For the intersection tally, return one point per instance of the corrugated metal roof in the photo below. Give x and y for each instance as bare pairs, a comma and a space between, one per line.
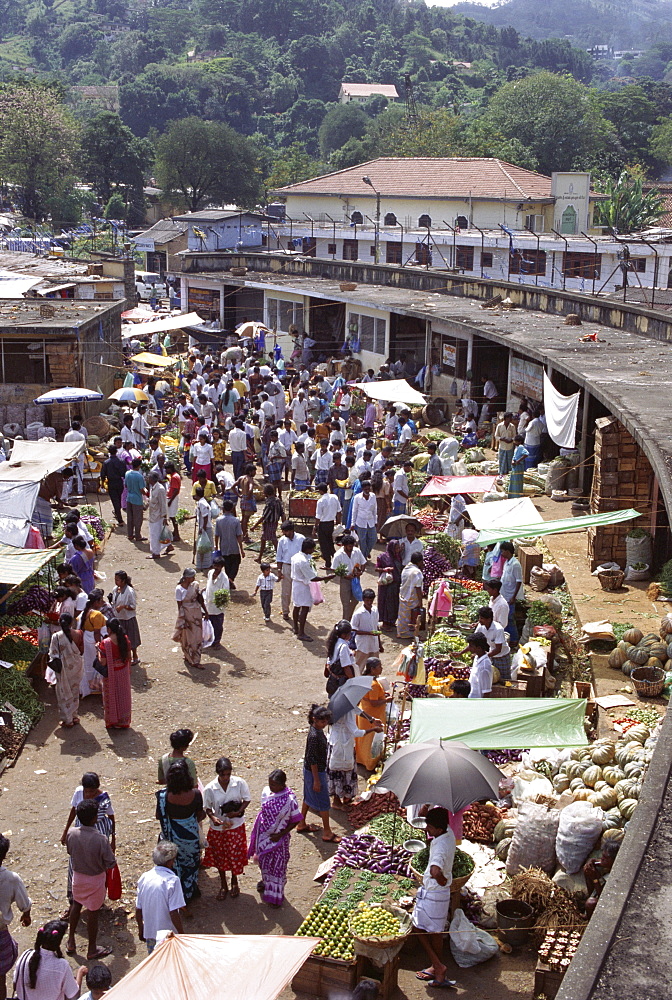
431, 177
216, 215
164, 230
369, 89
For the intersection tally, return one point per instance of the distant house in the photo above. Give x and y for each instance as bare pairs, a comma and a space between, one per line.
361, 92
161, 243
223, 229
106, 96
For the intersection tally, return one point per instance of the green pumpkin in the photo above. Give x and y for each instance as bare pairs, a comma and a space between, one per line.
633, 636
627, 808
628, 667
592, 775
613, 774
639, 656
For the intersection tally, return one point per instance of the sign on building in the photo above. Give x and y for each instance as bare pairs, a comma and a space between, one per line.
571, 191
527, 379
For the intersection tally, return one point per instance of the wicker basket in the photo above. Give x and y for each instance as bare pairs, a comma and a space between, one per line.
648, 681
347, 286
611, 579
387, 942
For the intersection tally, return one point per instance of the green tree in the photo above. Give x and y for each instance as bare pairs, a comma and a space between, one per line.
628, 207
116, 207
112, 156
661, 141
341, 122
290, 166
436, 134
553, 117
199, 162
38, 140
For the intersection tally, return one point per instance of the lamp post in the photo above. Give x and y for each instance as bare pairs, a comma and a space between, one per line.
367, 180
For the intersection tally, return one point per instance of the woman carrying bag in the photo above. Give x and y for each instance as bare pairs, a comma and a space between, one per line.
114, 654
65, 669
340, 665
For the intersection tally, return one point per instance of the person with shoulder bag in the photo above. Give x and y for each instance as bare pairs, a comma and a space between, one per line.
67, 669
340, 665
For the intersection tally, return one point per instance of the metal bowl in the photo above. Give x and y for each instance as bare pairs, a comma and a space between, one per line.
420, 823
414, 846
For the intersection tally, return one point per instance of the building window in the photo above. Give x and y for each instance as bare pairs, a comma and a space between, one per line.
390, 219
393, 253
462, 222
486, 258
282, 313
356, 218
331, 248
581, 265
464, 258
423, 255
528, 262
309, 246
638, 264
372, 251
371, 331
425, 222
350, 249
25, 361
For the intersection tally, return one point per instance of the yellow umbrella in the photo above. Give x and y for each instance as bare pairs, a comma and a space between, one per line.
129, 395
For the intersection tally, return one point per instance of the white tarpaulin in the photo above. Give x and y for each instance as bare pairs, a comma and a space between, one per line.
394, 391
503, 513
161, 325
31, 461
17, 502
561, 414
207, 966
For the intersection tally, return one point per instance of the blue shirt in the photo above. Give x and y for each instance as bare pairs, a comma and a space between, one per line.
135, 484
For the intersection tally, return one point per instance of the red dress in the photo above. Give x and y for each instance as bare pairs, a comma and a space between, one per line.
116, 686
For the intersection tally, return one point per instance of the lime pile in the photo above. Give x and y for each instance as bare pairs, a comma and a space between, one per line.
374, 921
332, 926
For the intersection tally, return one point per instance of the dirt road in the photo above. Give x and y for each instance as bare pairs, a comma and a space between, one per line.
249, 704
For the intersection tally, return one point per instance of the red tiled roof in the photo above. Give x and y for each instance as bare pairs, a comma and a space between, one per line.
430, 177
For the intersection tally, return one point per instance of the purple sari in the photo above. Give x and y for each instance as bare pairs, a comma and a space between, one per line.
278, 810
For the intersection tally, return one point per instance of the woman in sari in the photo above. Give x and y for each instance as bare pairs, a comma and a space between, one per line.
124, 603
372, 706
517, 473
114, 652
190, 614
92, 625
67, 645
389, 565
269, 841
179, 809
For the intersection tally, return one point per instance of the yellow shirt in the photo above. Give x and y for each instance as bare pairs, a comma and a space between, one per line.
209, 490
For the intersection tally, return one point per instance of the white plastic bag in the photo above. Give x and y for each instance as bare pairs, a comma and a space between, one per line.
469, 945
579, 828
527, 788
208, 633
533, 844
638, 574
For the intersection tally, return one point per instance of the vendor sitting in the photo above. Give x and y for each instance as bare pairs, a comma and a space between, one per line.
480, 675
499, 651
432, 902
596, 872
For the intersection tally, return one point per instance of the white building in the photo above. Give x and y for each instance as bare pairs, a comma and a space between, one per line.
361, 92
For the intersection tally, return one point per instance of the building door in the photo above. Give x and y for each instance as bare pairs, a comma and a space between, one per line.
309, 246
393, 253
568, 221
327, 325
350, 249
156, 261
423, 254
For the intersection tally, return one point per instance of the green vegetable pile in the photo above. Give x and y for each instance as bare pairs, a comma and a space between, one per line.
463, 863
16, 689
392, 830
620, 630
649, 716
182, 515
13, 648
448, 547
221, 597
539, 613
441, 644
351, 886
665, 579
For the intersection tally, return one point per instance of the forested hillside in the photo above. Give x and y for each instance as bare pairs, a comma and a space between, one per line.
218, 100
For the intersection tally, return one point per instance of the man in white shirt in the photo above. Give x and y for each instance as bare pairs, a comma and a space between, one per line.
238, 446
533, 433
512, 586
160, 897
353, 559
405, 432
384, 455
364, 517
363, 464
323, 462
400, 486
75, 434
288, 545
157, 516
497, 604
505, 433
202, 456
433, 898
299, 408
410, 544
480, 675
490, 389
366, 624
498, 647
327, 515
140, 428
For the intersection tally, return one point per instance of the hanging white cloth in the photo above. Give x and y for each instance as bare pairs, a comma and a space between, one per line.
561, 412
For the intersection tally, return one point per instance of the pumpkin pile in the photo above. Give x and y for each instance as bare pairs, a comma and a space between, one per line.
638, 650
608, 774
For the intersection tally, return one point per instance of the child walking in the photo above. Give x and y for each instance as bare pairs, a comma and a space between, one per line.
266, 581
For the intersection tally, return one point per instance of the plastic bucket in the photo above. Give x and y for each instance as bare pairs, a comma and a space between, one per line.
514, 919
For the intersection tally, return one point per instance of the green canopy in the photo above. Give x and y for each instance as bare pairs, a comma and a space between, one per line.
488, 536
16, 565
500, 723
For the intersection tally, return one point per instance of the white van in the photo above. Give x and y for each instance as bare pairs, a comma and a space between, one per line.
150, 285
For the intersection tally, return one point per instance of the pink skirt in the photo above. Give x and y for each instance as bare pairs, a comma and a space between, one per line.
89, 890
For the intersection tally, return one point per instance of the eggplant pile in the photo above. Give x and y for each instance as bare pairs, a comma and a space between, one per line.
368, 852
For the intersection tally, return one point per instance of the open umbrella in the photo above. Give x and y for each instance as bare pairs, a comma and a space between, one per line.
442, 773
68, 394
251, 329
349, 696
395, 527
129, 395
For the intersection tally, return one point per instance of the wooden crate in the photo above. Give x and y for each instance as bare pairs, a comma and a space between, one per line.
547, 981
323, 977
529, 557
